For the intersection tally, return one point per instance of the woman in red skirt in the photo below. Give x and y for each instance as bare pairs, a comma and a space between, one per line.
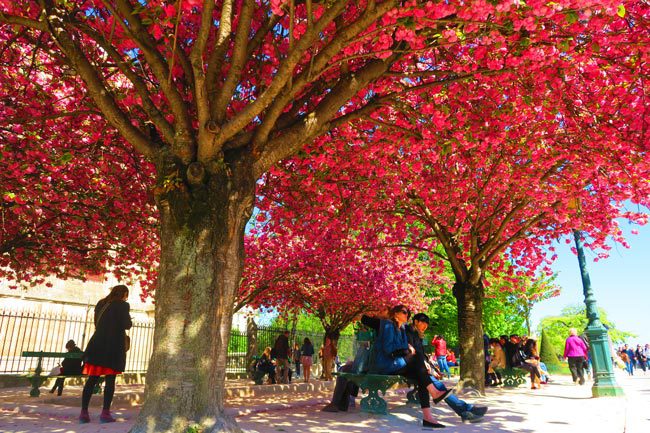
105, 354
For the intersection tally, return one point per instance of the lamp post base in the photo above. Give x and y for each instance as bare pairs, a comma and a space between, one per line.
605, 384
607, 391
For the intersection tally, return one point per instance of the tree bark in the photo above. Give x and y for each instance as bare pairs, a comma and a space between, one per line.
251, 339
469, 299
203, 214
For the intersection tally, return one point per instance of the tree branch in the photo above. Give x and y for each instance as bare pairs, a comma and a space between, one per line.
96, 88
283, 75
318, 120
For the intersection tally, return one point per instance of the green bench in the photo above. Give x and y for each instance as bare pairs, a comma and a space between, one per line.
512, 377
37, 379
373, 384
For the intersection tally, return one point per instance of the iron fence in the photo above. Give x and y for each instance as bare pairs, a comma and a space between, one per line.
41, 331
48, 332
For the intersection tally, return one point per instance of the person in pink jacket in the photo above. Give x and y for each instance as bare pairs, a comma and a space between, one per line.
575, 351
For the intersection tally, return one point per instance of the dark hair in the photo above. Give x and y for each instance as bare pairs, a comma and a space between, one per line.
505, 337
117, 293
495, 341
398, 308
421, 317
530, 343
306, 341
70, 344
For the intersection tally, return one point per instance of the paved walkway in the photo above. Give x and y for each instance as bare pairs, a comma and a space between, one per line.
558, 408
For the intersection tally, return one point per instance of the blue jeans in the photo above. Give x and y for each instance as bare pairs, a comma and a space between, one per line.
457, 405
629, 366
442, 364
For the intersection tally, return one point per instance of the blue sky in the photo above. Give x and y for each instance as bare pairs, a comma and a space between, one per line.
621, 284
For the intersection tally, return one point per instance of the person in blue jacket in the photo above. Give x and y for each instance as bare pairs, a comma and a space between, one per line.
394, 355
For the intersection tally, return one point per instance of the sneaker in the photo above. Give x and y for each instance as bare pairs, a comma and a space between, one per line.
479, 410
471, 417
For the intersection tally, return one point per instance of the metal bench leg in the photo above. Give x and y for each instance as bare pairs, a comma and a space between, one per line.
37, 380
412, 395
374, 403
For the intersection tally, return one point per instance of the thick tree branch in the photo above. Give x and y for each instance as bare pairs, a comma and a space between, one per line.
318, 120
318, 65
22, 21
283, 75
96, 87
183, 146
218, 55
156, 116
237, 62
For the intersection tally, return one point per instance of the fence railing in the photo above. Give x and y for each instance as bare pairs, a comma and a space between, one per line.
49, 332
41, 331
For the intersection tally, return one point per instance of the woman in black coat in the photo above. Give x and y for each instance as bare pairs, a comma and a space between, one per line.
105, 354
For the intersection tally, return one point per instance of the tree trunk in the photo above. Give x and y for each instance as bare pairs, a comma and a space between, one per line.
469, 299
251, 339
202, 220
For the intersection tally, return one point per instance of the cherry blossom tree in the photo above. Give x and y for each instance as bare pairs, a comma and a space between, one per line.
492, 184
231, 87
75, 200
292, 268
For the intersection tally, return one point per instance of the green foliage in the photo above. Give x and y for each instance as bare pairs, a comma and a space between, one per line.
500, 316
559, 368
556, 328
547, 352
306, 323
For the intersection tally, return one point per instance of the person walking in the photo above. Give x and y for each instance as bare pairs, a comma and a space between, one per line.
307, 358
641, 359
575, 352
105, 354
440, 350
69, 367
629, 364
282, 349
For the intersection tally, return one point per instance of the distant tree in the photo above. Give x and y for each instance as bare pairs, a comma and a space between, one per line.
557, 327
547, 352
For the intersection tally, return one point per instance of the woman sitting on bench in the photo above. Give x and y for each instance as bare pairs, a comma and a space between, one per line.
266, 366
69, 367
394, 356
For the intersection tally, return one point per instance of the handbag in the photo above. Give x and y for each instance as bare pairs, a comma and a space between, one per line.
127, 339
56, 371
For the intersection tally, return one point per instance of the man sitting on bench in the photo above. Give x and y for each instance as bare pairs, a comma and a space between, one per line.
69, 367
466, 411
